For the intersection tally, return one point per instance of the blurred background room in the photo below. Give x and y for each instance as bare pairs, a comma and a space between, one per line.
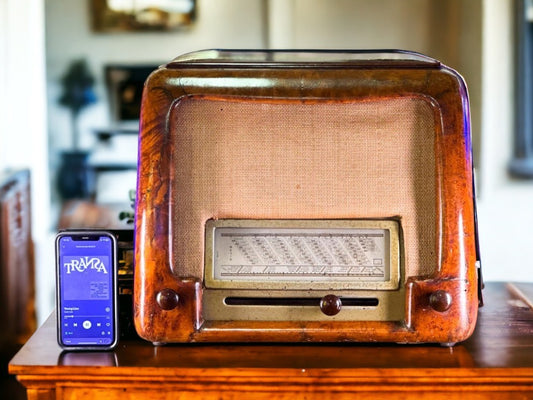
71, 73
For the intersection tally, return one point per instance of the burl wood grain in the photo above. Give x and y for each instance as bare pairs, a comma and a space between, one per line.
455, 247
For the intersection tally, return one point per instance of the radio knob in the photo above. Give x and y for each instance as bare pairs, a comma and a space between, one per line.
440, 300
167, 299
330, 305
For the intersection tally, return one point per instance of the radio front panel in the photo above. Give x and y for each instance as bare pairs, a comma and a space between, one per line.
278, 270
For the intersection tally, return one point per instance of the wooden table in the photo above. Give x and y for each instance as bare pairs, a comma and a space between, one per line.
495, 363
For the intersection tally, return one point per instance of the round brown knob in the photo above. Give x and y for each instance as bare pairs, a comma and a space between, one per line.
167, 299
440, 300
330, 305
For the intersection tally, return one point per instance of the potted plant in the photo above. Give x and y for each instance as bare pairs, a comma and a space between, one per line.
75, 177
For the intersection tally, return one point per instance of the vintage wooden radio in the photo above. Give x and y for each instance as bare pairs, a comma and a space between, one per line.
290, 196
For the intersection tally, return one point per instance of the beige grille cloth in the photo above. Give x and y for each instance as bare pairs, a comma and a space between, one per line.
282, 160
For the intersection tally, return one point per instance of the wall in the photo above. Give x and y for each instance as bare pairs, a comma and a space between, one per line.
505, 205
23, 136
23, 140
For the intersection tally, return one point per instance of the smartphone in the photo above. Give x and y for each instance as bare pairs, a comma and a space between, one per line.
86, 276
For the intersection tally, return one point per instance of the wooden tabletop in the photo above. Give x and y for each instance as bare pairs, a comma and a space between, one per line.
497, 359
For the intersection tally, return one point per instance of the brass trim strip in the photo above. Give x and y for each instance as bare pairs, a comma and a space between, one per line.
390, 307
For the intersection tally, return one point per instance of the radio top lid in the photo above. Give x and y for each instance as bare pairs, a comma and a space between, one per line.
304, 58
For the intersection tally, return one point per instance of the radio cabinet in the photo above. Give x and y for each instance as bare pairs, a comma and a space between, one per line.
316, 196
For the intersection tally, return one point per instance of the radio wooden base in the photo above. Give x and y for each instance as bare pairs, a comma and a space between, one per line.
495, 363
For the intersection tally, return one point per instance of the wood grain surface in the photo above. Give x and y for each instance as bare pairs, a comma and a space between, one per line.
495, 363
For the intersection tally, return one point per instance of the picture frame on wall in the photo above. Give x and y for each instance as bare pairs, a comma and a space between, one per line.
142, 15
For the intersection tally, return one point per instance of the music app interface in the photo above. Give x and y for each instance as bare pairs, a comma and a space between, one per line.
86, 285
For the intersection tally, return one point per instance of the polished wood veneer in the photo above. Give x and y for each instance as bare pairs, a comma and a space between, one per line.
312, 135
495, 363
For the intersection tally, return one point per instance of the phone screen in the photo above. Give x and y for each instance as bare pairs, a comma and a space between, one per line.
86, 290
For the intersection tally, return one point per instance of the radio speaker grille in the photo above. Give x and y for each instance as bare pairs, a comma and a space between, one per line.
284, 159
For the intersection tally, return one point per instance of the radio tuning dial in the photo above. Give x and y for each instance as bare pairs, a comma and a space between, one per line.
330, 305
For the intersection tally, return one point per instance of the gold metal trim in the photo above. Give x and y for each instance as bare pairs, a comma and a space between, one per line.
391, 306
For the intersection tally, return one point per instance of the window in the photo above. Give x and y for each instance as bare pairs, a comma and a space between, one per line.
522, 163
